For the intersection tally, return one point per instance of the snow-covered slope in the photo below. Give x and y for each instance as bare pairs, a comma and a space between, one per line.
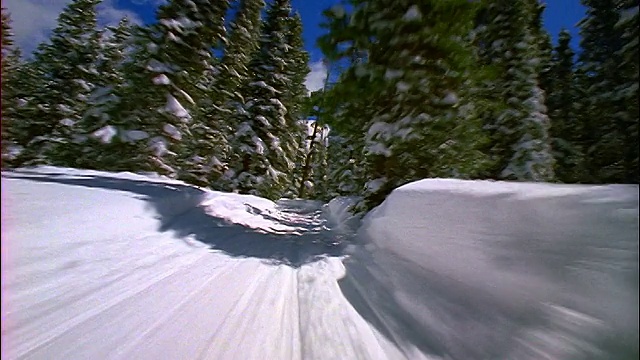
497, 270
100, 265
123, 266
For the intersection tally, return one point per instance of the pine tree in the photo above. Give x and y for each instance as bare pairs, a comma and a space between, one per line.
265, 152
10, 67
312, 181
610, 125
172, 57
296, 69
343, 103
224, 85
418, 121
627, 90
106, 145
520, 143
243, 42
561, 100
67, 63
543, 42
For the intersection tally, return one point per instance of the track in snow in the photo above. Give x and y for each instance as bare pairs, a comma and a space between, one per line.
102, 267
121, 266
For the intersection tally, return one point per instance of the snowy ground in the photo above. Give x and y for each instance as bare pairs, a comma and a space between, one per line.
121, 266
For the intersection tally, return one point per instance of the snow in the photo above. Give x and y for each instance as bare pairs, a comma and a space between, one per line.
450, 99
172, 131
158, 146
161, 79
379, 127
152, 48
67, 122
180, 24
376, 184
83, 84
520, 190
12, 152
187, 97
99, 265
156, 66
402, 86
469, 262
174, 107
392, 74
262, 84
263, 120
216, 162
65, 109
135, 135
412, 14
378, 148
627, 15
260, 146
277, 103
105, 134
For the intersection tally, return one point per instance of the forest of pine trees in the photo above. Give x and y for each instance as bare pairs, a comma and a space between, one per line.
213, 93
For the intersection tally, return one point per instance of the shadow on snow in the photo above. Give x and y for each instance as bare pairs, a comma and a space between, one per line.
178, 210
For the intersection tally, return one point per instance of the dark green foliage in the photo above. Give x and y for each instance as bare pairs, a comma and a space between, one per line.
509, 40
409, 88
266, 138
10, 100
56, 86
609, 108
409, 94
563, 111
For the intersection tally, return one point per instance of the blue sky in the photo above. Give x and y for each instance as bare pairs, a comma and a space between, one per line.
34, 19
559, 14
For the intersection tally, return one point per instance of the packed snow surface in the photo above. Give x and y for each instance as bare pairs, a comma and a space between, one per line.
100, 265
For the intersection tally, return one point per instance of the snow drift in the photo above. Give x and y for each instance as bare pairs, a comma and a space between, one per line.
498, 270
122, 266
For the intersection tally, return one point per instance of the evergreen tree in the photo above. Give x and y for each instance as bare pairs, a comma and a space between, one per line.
343, 103
542, 40
561, 100
312, 181
413, 84
265, 147
627, 90
296, 69
225, 85
10, 64
518, 124
608, 107
67, 65
172, 56
243, 43
106, 145
9, 61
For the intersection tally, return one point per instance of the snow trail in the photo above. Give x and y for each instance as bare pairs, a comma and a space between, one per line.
122, 266
102, 265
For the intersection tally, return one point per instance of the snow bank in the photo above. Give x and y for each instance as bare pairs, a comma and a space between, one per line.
251, 211
449, 270
338, 213
509, 270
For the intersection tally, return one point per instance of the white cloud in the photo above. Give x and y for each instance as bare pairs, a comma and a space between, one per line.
315, 79
109, 14
33, 20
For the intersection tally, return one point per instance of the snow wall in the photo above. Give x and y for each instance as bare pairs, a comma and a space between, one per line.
498, 270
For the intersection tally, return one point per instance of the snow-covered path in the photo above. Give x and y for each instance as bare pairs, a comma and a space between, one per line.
99, 267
